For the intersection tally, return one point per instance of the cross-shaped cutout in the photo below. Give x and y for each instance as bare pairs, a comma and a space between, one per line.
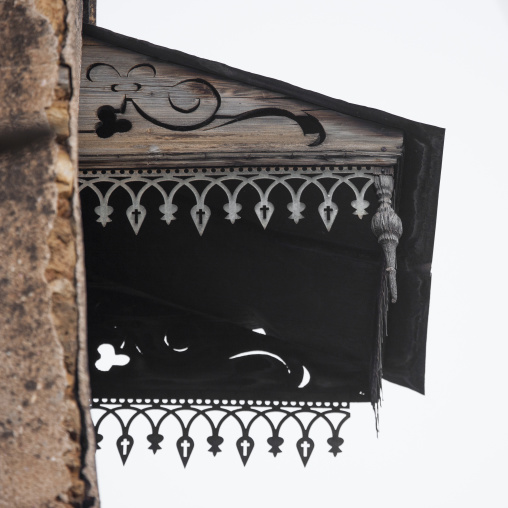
328, 211
305, 445
136, 214
264, 211
185, 445
200, 214
245, 445
124, 445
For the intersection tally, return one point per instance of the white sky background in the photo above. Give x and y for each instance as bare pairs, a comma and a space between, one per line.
438, 62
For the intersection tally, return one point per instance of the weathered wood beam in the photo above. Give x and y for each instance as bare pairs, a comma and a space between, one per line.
153, 113
90, 12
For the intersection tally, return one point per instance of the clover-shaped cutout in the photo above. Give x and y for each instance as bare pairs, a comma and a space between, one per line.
109, 124
109, 358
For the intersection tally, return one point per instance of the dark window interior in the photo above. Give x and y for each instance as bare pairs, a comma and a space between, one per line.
183, 307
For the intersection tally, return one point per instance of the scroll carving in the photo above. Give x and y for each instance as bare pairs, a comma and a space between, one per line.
188, 105
387, 227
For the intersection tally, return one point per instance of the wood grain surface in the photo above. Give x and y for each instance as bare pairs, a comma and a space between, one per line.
150, 113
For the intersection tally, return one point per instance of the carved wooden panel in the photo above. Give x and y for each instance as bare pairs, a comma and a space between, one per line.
158, 113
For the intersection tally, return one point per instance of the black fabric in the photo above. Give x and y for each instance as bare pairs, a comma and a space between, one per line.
314, 292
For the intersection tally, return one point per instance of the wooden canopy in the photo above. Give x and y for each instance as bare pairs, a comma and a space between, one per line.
147, 108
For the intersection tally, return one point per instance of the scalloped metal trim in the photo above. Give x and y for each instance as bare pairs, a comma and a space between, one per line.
105, 183
245, 412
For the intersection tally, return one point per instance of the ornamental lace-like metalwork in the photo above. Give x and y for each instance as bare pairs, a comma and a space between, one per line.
386, 226
105, 183
246, 413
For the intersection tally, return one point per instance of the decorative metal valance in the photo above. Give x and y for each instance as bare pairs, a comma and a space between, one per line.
164, 335
386, 225
246, 413
169, 182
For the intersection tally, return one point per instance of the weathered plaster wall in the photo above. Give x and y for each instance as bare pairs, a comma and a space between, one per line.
46, 440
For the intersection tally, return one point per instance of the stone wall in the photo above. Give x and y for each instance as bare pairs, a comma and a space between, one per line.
46, 438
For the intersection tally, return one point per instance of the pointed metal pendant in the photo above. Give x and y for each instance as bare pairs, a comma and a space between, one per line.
245, 445
200, 215
124, 444
328, 210
305, 446
185, 445
136, 215
264, 211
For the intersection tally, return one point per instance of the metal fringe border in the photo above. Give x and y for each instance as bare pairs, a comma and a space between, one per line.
216, 412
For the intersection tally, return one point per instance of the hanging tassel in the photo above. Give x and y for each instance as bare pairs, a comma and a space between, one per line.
377, 359
387, 227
